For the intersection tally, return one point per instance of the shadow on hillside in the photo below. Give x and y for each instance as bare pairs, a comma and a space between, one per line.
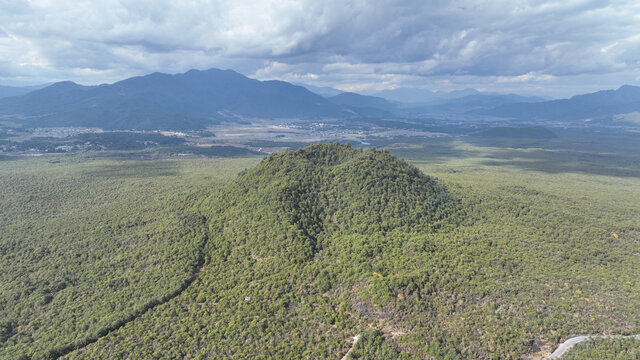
567, 161
610, 158
524, 143
134, 169
8, 157
433, 150
578, 152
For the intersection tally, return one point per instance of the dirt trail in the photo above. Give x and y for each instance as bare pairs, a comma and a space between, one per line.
578, 339
355, 340
61, 352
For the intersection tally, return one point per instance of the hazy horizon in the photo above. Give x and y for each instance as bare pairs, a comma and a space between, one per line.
310, 87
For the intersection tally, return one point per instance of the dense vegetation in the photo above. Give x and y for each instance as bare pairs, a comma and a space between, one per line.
87, 243
285, 237
615, 349
499, 258
371, 345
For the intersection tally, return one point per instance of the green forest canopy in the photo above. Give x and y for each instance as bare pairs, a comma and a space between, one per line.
309, 248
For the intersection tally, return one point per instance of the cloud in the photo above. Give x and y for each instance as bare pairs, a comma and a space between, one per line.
528, 77
281, 71
333, 42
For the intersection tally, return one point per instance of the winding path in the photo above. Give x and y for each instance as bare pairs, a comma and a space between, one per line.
355, 340
578, 339
65, 350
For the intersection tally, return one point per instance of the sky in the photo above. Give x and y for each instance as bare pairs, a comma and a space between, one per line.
549, 48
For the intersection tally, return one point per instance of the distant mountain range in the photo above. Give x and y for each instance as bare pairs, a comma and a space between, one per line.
7, 91
197, 99
325, 91
606, 104
364, 105
417, 96
414, 100
475, 102
191, 100
601, 104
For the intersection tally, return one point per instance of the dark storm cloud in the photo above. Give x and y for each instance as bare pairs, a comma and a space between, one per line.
354, 44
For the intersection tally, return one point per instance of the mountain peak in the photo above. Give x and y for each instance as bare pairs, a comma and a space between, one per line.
191, 100
627, 88
64, 85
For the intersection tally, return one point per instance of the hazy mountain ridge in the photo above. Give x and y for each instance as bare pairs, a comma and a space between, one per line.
325, 91
414, 100
418, 96
157, 101
8, 91
364, 105
483, 101
197, 99
605, 103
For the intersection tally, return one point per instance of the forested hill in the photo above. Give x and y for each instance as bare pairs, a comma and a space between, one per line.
295, 243
331, 187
